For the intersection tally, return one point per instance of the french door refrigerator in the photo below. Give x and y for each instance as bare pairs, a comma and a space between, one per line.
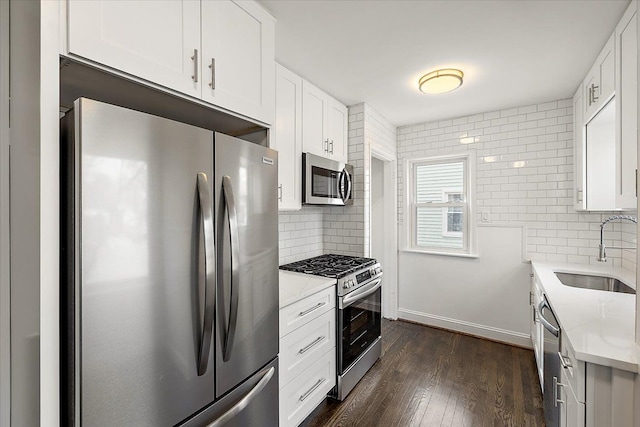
169, 273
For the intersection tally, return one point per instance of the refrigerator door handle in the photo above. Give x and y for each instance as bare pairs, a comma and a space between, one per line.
227, 190
206, 214
245, 401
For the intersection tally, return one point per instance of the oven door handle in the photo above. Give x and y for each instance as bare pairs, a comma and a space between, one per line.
364, 291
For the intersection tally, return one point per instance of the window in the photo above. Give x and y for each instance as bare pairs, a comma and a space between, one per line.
439, 204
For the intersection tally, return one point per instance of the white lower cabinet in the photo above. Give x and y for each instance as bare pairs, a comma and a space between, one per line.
305, 392
307, 362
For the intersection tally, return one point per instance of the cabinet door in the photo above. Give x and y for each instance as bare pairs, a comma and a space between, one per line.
572, 411
627, 109
238, 66
599, 85
150, 39
287, 138
578, 151
314, 119
338, 121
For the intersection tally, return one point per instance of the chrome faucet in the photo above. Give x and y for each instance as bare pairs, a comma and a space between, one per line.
602, 255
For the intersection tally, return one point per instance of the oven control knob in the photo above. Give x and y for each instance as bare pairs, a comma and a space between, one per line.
345, 285
351, 283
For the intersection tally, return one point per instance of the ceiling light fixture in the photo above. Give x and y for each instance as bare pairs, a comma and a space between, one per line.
441, 81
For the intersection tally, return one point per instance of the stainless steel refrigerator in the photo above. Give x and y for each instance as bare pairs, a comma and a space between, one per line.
169, 273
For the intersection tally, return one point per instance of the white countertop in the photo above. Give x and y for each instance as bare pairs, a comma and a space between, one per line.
296, 286
599, 325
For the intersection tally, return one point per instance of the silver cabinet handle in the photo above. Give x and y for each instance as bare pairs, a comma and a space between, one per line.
548, 326
206, 214
232, 216
589, 96
578, 194
594, 88
304, 313
326, 145
312, 389
331, 146
244, 402
565, 361
308, 347
556, 399
212, 66
195, 65
280, 192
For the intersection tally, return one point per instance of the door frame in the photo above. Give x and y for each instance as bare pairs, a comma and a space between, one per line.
390, 266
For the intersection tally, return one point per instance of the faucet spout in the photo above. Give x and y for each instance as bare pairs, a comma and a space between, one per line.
602, 254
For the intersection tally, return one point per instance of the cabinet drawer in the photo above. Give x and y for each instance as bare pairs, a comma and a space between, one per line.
301, 396
300, 313
305, 345
573, 370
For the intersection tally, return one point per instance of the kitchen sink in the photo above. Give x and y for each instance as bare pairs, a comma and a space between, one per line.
600, 283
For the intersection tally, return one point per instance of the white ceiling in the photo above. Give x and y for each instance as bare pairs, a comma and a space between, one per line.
513, 53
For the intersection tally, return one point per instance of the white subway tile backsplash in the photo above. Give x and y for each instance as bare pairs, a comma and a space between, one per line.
524, 175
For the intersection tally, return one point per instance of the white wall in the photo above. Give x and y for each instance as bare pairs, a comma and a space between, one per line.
524, 176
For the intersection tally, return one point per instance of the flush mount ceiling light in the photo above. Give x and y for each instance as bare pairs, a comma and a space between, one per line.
441, 81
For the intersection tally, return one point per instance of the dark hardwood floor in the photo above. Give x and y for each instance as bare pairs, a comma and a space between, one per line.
431, 377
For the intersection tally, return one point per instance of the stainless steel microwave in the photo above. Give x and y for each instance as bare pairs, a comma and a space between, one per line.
325, 181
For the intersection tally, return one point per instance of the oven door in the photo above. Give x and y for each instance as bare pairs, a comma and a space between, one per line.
326, 182
359, 321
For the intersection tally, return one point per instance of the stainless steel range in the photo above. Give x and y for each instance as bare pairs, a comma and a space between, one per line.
359, 315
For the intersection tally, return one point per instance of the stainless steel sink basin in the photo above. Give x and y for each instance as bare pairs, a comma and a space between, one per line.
600, 283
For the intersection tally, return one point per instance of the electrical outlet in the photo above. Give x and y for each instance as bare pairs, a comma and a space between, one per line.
484, 216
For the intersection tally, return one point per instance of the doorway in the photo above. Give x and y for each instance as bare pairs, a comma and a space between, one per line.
384, 227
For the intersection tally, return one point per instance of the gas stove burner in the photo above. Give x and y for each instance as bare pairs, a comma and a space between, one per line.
330, 265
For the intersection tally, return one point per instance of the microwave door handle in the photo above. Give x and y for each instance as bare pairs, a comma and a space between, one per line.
340, 185
232, 216
206, 215
354, 296
349, 185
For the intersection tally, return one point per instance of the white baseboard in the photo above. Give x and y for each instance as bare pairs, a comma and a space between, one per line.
496, 334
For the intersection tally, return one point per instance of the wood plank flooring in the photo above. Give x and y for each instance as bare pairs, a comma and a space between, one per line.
431, 377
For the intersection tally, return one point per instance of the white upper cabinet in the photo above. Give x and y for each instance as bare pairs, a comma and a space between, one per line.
338, 122
314, 120
324, 124
579, 199
153, 40
627, 109
599, 85
287, 138
221, 52
238, 67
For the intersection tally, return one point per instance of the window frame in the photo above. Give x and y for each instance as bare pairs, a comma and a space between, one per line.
468, 204
445, 212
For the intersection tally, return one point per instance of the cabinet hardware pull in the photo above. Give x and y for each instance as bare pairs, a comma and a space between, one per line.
565, 361
213, 73
195, 65
556, 399
332, 146
280, 192
326, 145
312, 389
308, 347
304, 313
593, 92
578, 195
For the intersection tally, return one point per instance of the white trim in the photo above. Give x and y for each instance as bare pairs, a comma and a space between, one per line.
5, 235
484, 331
426, 252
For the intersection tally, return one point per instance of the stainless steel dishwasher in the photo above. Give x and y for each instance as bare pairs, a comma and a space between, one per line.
551, 364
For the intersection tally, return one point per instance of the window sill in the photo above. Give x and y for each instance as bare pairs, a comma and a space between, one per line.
454, 254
